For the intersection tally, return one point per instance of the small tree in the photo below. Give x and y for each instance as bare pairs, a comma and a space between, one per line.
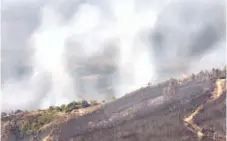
51, 108
149, 84
18, 111
63, 107
57, 108
85, 104
3, 114
70, 107
225, 68
72, 104
75, 103
193, 76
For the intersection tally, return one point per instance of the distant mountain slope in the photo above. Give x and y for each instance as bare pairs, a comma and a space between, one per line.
153, 113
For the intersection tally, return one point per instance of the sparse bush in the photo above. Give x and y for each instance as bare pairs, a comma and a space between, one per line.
51, 108
78, 106
27, 128
48, 138
193, 77
224, 69
149, 84
93, 102
18, 111
35, 122
3, 114
172, 81
63, 107
85, 104
58, 109
68, 110
71, 106
75, 103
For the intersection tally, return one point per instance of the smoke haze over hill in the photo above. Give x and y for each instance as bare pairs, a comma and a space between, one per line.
56, 51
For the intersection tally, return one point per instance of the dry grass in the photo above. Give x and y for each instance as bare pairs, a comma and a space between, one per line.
48, 138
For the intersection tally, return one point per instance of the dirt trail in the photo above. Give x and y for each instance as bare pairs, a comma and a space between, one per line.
219, 90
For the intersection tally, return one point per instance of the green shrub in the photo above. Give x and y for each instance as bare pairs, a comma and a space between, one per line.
69, 109
35, 122
75, 103
58, 109
71, 106
63, 107
27, 127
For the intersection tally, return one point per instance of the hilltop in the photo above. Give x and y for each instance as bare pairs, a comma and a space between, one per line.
184, 109
28, 122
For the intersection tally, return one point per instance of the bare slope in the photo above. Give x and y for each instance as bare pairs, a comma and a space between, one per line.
155, 113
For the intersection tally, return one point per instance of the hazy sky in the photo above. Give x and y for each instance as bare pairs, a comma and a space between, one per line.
55, 51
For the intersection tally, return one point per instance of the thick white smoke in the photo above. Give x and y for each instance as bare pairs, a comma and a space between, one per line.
93, 29
49, 45
102, 49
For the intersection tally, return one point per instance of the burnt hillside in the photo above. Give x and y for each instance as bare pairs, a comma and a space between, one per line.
153, 113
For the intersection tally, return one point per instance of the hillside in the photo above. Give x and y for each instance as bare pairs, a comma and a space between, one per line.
189, 109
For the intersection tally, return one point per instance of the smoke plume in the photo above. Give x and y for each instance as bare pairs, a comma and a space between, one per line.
57, 51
